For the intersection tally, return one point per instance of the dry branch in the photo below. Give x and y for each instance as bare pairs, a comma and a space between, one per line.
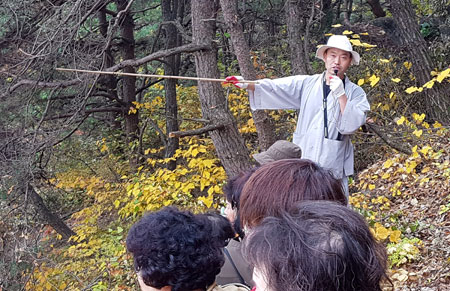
197, 131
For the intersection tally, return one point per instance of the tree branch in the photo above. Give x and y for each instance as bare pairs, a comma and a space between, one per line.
385, 140
180, 29
197, 131
188, 48
87, 112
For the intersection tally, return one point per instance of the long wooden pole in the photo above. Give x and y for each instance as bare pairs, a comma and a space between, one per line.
149, 76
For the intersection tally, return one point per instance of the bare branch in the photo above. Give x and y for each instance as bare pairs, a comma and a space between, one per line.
87, 112
197, 131
386, 141
188, 48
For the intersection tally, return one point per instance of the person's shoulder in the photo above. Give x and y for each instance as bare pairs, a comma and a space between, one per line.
354, 87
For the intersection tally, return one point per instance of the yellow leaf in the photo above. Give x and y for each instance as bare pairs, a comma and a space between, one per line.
429, 84
346, 32
411, 90
336, 25
374, 80
371, 186
437, 125
208, 201
384, 60
407, 65
425, 150
355, 36
395, 236
417, 133
381, 232
364, 33
104, 148
388, 164
391, 95
328, 34
356, 42
386, 176
194, 152
410, 166
360, 82
368, 45
442, 75
396, 80
401, 120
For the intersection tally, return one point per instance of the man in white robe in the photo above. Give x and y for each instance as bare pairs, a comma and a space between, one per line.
324, 136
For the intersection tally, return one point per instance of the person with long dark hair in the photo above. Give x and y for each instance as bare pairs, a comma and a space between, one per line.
316, 246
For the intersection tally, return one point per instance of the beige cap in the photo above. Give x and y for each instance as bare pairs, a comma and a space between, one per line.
340, 42
281, 149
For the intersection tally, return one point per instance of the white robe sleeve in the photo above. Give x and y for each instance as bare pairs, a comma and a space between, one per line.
354, 115
283, 93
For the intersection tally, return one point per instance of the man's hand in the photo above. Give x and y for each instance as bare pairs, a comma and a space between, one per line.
235, 80
336, 87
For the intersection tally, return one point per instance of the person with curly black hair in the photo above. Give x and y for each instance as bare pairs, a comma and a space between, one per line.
176, 250
316, 246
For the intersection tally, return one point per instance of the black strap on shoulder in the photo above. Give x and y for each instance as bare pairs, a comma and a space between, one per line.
241, 279
326, 91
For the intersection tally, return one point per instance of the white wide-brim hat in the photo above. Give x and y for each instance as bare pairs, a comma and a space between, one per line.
340, 42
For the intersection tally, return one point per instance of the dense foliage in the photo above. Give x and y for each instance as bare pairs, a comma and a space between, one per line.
82, 156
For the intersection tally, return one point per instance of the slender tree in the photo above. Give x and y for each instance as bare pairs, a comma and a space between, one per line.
172, 11
229, 144
263, 122
434, 101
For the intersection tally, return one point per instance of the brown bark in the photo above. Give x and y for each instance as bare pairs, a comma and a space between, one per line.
110, 81
434, 101
296, 30
348, 4
229, 144
128, 82
377, 10
263, 122
47, 216
170, 10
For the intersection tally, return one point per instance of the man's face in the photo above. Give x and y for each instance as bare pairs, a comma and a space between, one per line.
337, 59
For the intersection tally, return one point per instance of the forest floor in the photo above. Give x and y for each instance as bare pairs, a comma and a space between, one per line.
420, 210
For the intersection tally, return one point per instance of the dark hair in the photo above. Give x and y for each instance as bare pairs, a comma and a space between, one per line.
179, 249
319, 246
279, 185
232, 190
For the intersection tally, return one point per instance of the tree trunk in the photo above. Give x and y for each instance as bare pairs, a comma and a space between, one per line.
110, 81
296, 31
229, 144
263, 122
434, 101
348, 11
128, 82
327, 12
376, 8
47, 216
170, 10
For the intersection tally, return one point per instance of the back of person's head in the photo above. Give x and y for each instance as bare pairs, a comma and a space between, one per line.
319, 246
276, 186
178, 249
232, 190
